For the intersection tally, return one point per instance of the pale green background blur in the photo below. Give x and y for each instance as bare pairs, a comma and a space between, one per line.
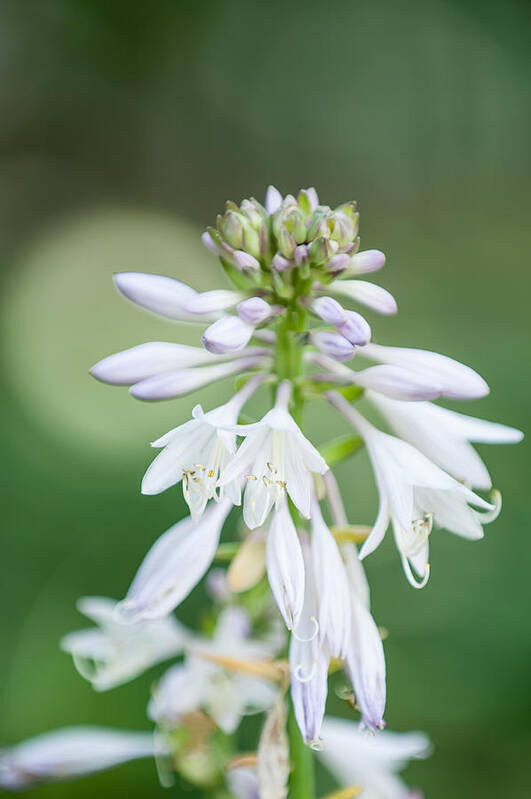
124, 126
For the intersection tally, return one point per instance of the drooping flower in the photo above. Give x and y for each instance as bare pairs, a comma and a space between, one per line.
285, 565
196, 453
415, 494
114, 653
70, 752
445, 436
371, 762
216, 677
274, 459
174, 565
365, 660
309, 659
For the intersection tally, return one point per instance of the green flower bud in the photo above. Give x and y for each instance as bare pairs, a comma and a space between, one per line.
342, 228
318, 226
321, 249
251, 241
232, 229
286, 243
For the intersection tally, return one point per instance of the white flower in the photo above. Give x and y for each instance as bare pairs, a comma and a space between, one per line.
392, 381
202, 682
414, 494
70, 752
242, 782
365, 660
196, 453
162, 295
444, 436
309, 659
371, 762
331, 585
456, 380
174, 565
366, 293
285, 565
116, 653
275, 458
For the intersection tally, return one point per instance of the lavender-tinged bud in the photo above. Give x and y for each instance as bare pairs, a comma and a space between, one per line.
318, 226
355, 328
254, 310
329, 310
206, 238
280, 264
367, 261
338, 263
253, 211
301, 254
273, 200
334, 345
246, 262
228, 334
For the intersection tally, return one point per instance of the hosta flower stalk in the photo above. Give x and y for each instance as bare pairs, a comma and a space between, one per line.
291, 329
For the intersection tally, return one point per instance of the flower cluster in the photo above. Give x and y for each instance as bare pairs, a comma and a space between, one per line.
285, 324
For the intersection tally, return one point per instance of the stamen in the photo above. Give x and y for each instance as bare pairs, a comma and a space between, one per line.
487, 516
251, 477
313, 636
412, 580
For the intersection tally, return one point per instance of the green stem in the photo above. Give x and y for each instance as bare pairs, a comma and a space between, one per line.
302, 778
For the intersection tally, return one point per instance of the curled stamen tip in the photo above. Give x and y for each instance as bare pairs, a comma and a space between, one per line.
299, 673
412, 580
316, 745
314, 634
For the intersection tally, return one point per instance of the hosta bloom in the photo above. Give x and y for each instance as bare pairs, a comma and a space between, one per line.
371, 762
196, 453
415, 494
68, 753
274, 459
114, 653
285, 565
174, 565
445, 436
213, 677
309, 659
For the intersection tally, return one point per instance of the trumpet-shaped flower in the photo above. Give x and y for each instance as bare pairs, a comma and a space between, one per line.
445, 436
174, 565
196, 453
415, 494
309, 659
70, 752
114, 653
365, 660
285, 565
213, 677
274, 459
371, 762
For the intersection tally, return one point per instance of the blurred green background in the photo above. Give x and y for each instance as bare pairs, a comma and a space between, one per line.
124, 127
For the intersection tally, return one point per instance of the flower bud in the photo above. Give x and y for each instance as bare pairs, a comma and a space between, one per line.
321, 250
367, 261
251, 241
254, 310
338, 263
300, 254
343, 229
207, 240
329, 310
231, 229
355, 328
333, 344
228, 334
246, 262
280, 263
319, 224
286, 243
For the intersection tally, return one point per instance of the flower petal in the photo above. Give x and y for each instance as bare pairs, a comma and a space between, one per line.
157, 293
228, 334
285, 565
153, 358
368, 294
398, 383
457, 380
211, 301
273, 200
174, 565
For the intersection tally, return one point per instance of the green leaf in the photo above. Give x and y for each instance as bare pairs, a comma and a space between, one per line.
340, 448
